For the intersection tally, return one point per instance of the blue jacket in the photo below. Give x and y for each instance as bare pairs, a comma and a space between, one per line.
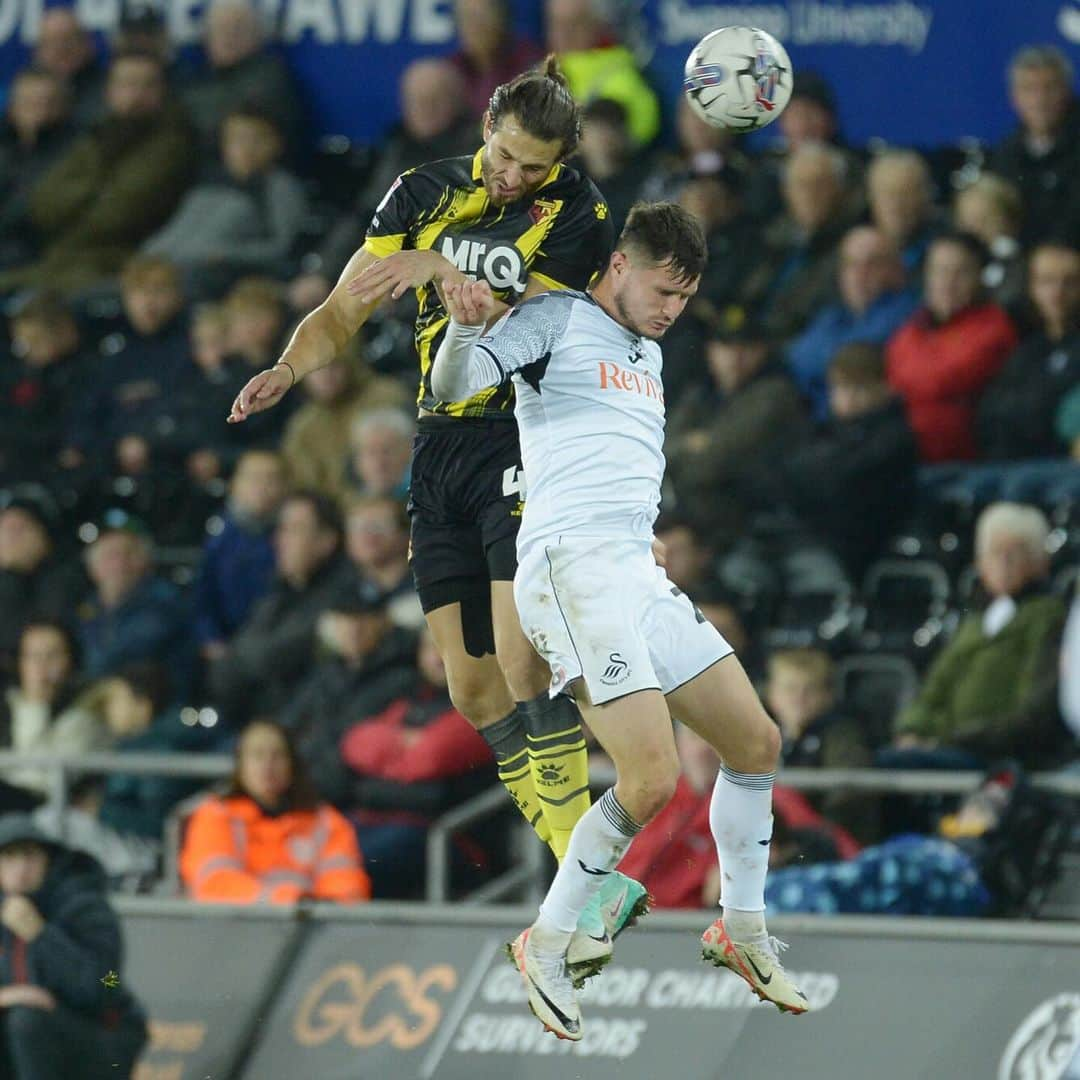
152, 624
810, 354
237, 569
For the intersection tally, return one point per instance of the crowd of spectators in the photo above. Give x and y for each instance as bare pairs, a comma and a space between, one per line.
885, 349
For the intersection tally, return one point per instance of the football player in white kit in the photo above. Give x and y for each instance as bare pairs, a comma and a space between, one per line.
614, 630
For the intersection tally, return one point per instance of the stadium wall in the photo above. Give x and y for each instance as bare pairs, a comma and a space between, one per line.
918, 74
425, 993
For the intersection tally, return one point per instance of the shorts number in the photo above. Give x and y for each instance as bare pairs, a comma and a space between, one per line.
513, 481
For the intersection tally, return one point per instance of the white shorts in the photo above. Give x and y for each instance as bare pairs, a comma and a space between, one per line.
603, 611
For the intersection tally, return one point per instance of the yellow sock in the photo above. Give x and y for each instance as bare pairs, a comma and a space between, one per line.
507, 741
559, 764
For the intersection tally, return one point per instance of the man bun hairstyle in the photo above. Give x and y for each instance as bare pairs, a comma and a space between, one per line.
669, 236
541, 102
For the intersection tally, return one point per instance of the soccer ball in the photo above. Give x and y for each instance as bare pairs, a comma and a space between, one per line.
738, 77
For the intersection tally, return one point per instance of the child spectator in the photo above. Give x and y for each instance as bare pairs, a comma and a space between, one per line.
238, 560
942, 358
412, 762
130, 386
245, 218
39, 392
268, 838
801, 695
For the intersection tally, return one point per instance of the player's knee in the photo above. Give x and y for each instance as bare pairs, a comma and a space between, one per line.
477, 699
526, 674
644, 794
759, 751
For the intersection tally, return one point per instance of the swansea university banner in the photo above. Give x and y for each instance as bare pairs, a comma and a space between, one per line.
918, 72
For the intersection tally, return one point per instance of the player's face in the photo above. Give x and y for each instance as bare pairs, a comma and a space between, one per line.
649, 296
514, 163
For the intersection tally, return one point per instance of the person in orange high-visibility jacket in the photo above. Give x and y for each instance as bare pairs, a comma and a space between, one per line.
268, 839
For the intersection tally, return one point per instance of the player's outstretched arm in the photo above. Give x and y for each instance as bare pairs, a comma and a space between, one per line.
460, 369
317, 341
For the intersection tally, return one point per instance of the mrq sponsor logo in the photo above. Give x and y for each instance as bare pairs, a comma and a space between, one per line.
618, 1008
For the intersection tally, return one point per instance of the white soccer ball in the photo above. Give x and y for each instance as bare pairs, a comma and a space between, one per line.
738, 77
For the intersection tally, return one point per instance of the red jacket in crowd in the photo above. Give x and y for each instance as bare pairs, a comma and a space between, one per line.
673, 854
941, 369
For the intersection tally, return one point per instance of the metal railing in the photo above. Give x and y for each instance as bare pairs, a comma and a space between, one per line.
879, 781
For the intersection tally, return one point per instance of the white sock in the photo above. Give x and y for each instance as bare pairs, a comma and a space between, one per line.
598, 842
740, 815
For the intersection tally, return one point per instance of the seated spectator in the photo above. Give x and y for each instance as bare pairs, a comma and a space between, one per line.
67, 1009
139, 721
129, 389
607, 153
132, 615
991, 691
597, 66
1069, 692
65, 49
720, 606
701, 150
380, 453
377, 543
797, 271
35, 130
850, 484
245, 218
268, 838
45, 711
942, 358
35, 582
901, 197
113, 187
316, 441
689, 557
873, 304
363, 664
1042, 157
434, 125
269, 655
411, 763
1016, 413
240, 68
39, 394
674, 856
489, 52
715, 435
818, 734
238, 560
991, 209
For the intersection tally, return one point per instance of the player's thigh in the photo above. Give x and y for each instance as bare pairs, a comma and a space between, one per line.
477, 687
526, 672
723, 707
636, 732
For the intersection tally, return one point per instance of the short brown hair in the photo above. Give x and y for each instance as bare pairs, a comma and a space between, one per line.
47, 308
256, 292
859, 363
141, 268
541, 102
813, 663
667, 234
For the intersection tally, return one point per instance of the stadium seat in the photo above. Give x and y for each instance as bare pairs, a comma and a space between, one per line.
905, 606
806, 618
874, 688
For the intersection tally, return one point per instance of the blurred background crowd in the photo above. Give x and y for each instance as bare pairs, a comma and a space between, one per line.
873, 443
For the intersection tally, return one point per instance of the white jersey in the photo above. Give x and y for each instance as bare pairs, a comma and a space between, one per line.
590, 410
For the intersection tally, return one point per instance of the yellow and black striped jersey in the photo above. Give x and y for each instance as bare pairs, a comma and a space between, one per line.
561, 235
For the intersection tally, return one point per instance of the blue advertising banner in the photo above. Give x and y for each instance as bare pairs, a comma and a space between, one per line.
919, 73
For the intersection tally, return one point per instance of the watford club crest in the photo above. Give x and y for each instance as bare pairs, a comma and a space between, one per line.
541, 210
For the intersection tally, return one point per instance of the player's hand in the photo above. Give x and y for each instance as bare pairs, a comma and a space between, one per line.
470, 303
263, 391
398, 273
27, 996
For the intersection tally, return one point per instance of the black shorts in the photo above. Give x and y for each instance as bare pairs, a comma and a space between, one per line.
465, 505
